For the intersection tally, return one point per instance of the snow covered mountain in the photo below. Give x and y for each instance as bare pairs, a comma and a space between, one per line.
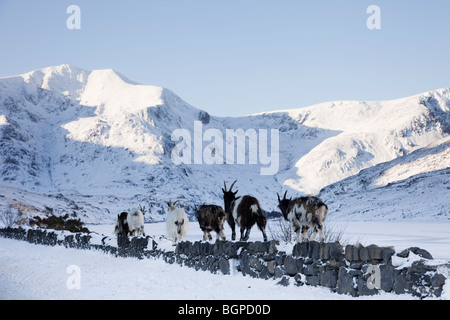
94, 143
414, 187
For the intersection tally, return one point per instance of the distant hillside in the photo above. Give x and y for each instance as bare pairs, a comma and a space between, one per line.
104, 142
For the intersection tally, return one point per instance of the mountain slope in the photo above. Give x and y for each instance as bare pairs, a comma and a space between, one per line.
368, 133
415, 186
103, 141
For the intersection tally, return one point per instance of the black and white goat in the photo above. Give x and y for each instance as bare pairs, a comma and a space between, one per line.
177, 222
245, 211
211, 218
304, 213
135, 221
121, 228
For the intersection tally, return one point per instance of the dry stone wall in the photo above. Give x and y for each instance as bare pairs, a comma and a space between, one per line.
354, 270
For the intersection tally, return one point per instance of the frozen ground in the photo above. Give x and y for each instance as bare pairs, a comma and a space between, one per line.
39, 272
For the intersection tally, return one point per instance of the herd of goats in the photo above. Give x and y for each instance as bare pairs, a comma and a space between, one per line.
302, 213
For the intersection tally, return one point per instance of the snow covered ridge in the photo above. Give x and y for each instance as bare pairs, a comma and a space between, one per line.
413, 187
104, 144
354, 270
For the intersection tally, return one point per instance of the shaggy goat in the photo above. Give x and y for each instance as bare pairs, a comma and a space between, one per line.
121, 228
135, 221
211, 218
246, 211
177, 222
304, 213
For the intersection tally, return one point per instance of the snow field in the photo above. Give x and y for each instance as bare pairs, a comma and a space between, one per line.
39, 272
30, 271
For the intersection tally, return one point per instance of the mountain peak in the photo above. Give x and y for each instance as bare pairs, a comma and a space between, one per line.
67, 72
64, 68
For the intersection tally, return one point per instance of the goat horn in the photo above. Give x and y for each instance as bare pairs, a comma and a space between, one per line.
284, 197
278, 197
232, 185
225, 185
175, 202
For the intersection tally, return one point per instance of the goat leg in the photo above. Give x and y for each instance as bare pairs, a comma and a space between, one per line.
222, 235
304, 231
242, 234
322, 234
233, 228
247, 234
297, 232
262, 226
264, 234
314, 236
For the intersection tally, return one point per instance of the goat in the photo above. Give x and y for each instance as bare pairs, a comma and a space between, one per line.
135, 221
211, 218
121, 228
304, 213
245, 210
177, 222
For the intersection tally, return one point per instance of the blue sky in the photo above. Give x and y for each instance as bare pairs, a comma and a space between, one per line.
233, 58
